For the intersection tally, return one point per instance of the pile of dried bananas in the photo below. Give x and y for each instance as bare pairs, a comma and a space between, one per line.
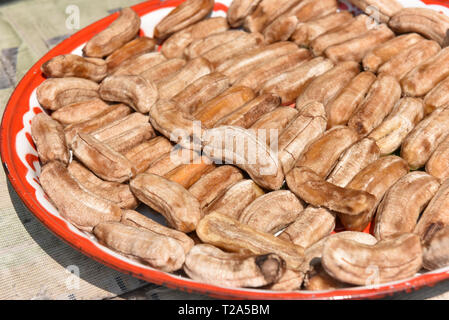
252, 189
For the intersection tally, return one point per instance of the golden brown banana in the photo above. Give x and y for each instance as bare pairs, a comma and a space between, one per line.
71, 65
105, 162
145, 153
209, 264
325, 87
435, 253
193, 70
135, 219
224, 104
353, 160
201, 91
163, 164
80, 112
134, 91
403, 203
174, 46
228, 50
274, 122
244, 149
435, 217
119, 32
171, 160
272, 212
55, 93
163, 71
406, 114
340, 110
322, 154
170, 199
383, 10
158, 251
360, 264
379, 102
183, 16
438, 164
311, 188
308, 31
355, 49
214, 184
345, 32
249, 113
404, 62
280, 29
235, 199
376, 179
187, 174
80, 207
140, 64
231, 235
129, 139
424, 139
297, 136
115, 192
374, 59
266, 12
437, 97
48, 136
427, 75
428, 22
256, 78
290, 84
176, 125
239, 10
108, 116
312, 225
240, 65
200, 46
120, 126
129, 51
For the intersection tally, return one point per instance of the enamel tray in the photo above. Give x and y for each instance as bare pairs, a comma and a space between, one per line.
22, 167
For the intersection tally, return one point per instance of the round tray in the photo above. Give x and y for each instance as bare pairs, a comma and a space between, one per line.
22, 167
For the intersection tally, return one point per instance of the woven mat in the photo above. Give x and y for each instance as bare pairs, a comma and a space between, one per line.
34, 264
